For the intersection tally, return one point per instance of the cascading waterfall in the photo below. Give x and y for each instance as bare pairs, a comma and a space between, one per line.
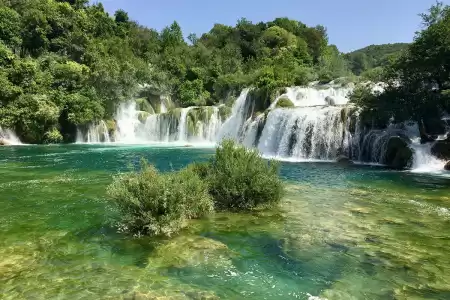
95, 133
316, 95
8, 137
192, 125
424, 161
303, 133
320, 126
232, 128
182, 132
127, 123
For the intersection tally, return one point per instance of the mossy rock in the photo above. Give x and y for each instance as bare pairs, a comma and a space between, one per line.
184, 251
284, 103
143, 116
111, 126
224, 112
143, 105
344, 161
441, 149
175, 113
447, 166
398, 155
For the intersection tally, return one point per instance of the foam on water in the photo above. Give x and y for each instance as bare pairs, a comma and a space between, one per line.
9, 137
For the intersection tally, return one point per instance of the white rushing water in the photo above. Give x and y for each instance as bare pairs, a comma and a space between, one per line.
320, 127
192, 125
232, 128
182, 127
316, 95
9, 137
303, 133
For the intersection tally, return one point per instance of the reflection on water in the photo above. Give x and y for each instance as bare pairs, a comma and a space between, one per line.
356, 232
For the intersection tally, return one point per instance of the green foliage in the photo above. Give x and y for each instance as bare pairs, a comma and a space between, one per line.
192, 93
418, 79
53, 136
86, 62
151, 203
10, 26
284, 103
373, 56
240, 179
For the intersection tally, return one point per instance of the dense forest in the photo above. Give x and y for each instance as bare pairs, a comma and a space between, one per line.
66, 64
370, 61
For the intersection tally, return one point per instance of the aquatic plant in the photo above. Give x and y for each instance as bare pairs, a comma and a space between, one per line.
157, 204
240, 179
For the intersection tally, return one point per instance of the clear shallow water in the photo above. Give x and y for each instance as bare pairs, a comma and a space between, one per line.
355, 232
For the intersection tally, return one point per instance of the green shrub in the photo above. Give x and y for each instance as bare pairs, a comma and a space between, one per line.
284, 103
240, 179
152, 203
53, 136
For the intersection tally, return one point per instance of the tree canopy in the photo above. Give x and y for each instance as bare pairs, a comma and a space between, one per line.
418, 80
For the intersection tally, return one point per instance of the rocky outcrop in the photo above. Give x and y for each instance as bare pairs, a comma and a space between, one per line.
398, 154
330, 101
4, 142
447, 166
344, 160
441, 149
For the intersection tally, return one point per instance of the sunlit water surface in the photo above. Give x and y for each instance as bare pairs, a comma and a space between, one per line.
356, 232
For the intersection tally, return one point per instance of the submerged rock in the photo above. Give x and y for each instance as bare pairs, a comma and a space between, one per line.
184, 251
447, 166
344, 160
441, 149
360, 210
4, 142
398, 154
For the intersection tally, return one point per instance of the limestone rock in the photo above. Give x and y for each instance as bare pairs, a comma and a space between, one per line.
330, 101
344, 160
441, 149
398, 154
447, 166
191, 251
4, 142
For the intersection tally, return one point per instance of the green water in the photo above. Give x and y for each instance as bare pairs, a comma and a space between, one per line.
341, 233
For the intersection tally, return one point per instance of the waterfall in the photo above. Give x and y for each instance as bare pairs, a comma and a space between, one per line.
8, 137
233, 126
127, 122
322, 125
303, 133
95, 133
182, 132
424, 161
316, 95
193, 125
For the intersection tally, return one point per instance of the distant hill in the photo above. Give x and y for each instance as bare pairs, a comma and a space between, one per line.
373, 56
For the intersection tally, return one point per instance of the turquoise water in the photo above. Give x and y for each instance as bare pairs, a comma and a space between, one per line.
356, 232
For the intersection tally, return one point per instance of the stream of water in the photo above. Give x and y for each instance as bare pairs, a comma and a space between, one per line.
355, 232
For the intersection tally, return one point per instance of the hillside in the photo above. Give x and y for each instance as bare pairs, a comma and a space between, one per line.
373, 56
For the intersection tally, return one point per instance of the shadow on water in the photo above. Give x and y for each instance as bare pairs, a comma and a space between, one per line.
260, 254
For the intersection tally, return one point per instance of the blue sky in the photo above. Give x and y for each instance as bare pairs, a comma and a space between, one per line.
351, 24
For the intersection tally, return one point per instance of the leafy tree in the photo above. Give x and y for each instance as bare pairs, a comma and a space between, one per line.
10, 25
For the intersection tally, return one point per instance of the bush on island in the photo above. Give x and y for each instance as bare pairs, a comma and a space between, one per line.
160, 204
152, 203
240, 179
